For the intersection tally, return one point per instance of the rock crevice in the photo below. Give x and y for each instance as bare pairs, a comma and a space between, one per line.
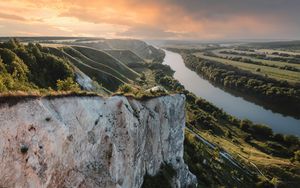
92, 141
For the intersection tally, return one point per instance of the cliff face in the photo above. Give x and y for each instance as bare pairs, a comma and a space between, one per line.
91, 141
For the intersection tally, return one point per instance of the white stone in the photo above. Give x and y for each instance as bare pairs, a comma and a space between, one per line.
91, 141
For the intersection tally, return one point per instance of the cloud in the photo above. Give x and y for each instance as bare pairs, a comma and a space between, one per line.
11, 17
141, 31
179, 19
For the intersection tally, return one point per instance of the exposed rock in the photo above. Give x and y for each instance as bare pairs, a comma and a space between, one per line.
157, 89
91, 141
86, 83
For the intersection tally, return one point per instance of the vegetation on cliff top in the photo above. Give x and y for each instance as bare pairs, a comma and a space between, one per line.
28, 67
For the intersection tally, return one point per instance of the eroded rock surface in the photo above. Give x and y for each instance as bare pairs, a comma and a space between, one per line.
91, 141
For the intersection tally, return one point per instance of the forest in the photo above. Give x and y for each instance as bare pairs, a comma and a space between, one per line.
30, 67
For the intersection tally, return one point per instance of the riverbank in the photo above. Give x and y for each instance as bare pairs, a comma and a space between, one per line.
256, 148
231, 104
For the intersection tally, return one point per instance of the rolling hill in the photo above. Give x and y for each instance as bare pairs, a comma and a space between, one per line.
129, 58
107, 80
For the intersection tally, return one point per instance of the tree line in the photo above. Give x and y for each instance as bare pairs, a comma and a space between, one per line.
279, 92
31, 67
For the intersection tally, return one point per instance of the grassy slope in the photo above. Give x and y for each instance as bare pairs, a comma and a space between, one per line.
108, 81
126, 56
148, 53
138, 47
275, 73
98, 65
129, 58
106, 59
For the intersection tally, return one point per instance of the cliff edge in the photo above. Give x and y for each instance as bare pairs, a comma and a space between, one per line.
91, 141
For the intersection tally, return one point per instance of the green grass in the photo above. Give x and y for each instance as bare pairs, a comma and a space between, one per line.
126, 56
290, 76
107, 80
129, 58
268, 62
98, 65
106, 59
279, 51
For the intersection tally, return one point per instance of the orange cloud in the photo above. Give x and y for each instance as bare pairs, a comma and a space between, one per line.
135, 18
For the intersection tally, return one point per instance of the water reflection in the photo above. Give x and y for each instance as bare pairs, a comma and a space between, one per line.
231, 104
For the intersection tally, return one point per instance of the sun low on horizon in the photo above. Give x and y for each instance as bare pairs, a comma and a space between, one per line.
165, 19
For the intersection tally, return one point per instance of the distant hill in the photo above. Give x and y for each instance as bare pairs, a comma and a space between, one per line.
140, 48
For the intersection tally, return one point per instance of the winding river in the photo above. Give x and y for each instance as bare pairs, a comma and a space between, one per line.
231, 104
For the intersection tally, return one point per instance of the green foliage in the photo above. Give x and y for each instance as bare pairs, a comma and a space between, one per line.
279, 92
264, 183
67, 85
27, 67
245, 125
205, 163
262, 130
291, 140
125, 88
162, 179
297, 155
279, 137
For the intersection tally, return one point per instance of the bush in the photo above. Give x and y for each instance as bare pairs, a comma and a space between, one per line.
126, 88
297, 156
162, 179
245, 125
67, 85
291, 140
262, 130
279, 138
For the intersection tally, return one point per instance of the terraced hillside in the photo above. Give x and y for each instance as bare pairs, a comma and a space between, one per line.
106, 59
129, 58
94, 70
142, 49
111, 67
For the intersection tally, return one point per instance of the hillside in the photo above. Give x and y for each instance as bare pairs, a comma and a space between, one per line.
129, 58
219, 149
29, 67
102, 57
142, 49
108, 80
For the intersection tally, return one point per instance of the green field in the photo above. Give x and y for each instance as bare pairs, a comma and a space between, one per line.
267, 62
294, 52
279, 74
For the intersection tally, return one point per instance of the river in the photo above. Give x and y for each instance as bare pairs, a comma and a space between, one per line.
236, 106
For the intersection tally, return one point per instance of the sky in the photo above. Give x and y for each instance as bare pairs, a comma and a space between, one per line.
153, 19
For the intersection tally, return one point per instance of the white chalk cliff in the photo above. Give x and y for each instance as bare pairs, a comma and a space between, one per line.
90, 141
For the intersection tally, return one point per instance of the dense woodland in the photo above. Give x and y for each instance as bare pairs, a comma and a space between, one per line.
29, 67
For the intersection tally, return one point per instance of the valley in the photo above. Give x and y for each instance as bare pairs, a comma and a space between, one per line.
221, 147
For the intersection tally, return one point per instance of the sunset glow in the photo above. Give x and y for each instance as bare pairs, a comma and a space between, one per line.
166, 19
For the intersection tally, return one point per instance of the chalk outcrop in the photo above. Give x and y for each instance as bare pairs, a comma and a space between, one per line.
90, 141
